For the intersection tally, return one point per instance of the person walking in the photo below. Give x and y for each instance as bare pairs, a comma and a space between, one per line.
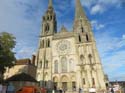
10, 88
80, 90
112, 90
60, 90
1, 88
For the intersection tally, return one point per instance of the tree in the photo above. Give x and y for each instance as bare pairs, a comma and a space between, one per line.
7, 58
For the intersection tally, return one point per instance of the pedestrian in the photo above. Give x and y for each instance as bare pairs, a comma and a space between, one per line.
60, 90
74, 88
10, 88
112, 90
1, 88
55, 89
92, 90
64, 89
4, 89
80, 90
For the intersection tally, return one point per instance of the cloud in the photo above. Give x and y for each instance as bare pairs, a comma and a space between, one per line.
63, 7
112, 51
107, 43
123, 36
23, 50
114, 65
97, 9
22, 18
100, 6
96, 25
88, 3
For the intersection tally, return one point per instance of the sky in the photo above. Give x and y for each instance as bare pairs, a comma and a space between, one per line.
23, 19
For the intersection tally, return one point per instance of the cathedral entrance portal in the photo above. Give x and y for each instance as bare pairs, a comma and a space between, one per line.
55, 81
68, 60
64, 81
64, 85
74, 86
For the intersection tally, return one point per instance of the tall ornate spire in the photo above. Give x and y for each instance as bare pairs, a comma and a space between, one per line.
50, 3
79, 12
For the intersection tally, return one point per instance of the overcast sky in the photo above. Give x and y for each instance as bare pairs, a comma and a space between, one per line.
23, 19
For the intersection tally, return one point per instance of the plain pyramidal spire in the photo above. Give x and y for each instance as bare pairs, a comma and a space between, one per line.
79, 11
50, 3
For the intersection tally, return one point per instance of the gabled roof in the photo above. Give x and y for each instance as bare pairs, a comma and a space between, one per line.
63, 29
23, 61
21, 77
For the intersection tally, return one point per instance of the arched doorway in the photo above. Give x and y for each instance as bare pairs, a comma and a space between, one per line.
73, 83
45, 79
55, 82
64, 81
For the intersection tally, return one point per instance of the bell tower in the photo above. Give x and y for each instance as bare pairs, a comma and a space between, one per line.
89, 64
49, 23
44, 52
82, 27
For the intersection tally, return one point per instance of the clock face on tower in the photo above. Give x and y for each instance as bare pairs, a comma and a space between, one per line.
63, 46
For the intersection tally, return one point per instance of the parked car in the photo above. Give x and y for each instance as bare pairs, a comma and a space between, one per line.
43, 90
29, 89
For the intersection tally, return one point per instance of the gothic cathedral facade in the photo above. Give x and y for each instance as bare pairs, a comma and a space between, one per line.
68, 59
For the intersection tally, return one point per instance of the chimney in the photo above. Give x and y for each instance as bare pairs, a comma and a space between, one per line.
33, 59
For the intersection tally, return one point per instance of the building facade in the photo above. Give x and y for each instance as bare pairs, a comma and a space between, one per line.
21, 66
68, 60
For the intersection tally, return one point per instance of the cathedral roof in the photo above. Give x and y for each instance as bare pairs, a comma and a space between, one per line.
64, 33
50, 3
63, 29
79, 11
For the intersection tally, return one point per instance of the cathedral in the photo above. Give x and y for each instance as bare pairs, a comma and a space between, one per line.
68, 60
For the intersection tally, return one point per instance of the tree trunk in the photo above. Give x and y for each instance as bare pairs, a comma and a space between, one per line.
1, 77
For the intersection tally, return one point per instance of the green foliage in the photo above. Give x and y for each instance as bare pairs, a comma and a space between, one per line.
7, 43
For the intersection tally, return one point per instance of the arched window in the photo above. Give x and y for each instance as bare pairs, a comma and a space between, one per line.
56, 66
64, 64
93, 81
90, 58
47, 17
46, 64
82, 59
40, 64
46, 79
71, 65
48, 43
87, 38
84, 81
42, 43
79, 38
47, 27
82, 29
51, 17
